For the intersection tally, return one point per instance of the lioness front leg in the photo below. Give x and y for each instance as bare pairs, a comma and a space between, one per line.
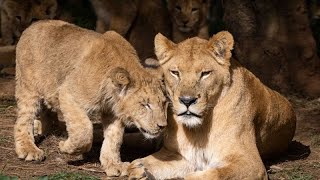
234, 167
79, 126
110, 151
163, 164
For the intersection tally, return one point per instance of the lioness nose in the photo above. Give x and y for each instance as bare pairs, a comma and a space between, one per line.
187, 100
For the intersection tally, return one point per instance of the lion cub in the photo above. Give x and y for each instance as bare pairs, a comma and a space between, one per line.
189, 19
223, 119
17, 15
75, 72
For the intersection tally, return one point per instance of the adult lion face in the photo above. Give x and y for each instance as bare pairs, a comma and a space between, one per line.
188, 14
196, 73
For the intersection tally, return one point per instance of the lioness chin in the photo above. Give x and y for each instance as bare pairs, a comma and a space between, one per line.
223, 119
75, 72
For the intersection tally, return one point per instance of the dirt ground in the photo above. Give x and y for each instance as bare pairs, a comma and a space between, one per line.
302, 161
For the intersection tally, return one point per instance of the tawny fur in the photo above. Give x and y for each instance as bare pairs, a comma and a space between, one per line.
76, 72
17, 15
189, 19
236, 119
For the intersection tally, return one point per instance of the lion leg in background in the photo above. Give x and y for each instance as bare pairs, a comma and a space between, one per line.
79, 126
110, 151
6, 30
163, 164
28, 106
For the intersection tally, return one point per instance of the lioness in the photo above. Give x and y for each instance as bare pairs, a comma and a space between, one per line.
223, 118
75, 72
189, 19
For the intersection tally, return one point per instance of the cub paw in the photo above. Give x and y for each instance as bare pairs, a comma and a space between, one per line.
116, 170
37, 128
136, 170
69, 148
30, 153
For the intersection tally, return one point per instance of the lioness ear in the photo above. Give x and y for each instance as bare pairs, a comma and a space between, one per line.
220, 45
162, 47
120, 78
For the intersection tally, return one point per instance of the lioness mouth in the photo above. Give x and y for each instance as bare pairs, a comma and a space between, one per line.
189, 114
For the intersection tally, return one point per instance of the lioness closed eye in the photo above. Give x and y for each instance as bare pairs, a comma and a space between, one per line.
222, 118
75, 72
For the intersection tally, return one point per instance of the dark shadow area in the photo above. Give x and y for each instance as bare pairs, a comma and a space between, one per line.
296, 151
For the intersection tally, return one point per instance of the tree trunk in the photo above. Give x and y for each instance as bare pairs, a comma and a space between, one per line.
274, 41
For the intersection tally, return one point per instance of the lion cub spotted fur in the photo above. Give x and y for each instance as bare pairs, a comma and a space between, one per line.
189, 19
223, 119
17, 15
75, 72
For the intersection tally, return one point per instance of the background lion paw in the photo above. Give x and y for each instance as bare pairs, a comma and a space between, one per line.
116, 170
30, 153
37, 128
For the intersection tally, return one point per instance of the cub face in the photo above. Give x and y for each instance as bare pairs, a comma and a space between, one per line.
143, 103
196, 71
187, 14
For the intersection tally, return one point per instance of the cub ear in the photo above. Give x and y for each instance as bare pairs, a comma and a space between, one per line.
162, 47
120, 78
220, 46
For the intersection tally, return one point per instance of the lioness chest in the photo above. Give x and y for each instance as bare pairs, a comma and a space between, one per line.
201, 159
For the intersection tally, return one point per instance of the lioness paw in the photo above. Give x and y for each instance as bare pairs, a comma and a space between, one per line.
136, 170
116, 170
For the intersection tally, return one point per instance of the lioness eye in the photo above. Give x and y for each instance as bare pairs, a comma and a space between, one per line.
205, 74
178, 8
175, 73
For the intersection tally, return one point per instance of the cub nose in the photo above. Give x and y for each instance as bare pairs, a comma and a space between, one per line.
187, 100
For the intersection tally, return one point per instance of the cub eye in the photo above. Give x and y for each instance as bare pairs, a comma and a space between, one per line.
178, 8
205, 74
174, 73
18, 18
194, 9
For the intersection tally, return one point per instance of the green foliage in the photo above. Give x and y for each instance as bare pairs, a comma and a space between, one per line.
4, 177
68, 176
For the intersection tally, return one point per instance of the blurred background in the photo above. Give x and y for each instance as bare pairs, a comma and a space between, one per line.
277, 40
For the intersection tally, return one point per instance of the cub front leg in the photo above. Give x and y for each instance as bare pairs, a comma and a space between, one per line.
79, 126
163, 164
113, 130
